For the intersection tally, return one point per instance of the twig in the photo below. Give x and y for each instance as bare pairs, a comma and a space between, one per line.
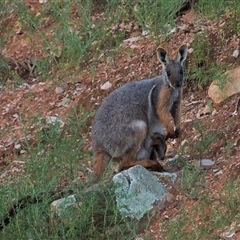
193, 102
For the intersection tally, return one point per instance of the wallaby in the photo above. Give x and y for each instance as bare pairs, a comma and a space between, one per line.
159, 147
130, 115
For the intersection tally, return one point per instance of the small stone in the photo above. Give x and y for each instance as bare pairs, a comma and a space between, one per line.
187, 120
131, 40
230, 231
173, 30
54, 120
235, 53
17, 147
171, 197
219, 173
23, 151
171, 177
237, 143
190, 50
106, 85
138, 238
145, 32
79, 89
64, 102
15, 116
206, 163
214, 112
173, 159
184, 142
26, 85
59, 90
19, 31
60, 205
206, 110
199, 113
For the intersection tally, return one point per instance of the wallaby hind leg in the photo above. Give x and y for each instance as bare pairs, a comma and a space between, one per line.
99, 163
153, 164
130, 160
135, 142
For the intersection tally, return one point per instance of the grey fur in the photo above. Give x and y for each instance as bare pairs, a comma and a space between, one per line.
129, 112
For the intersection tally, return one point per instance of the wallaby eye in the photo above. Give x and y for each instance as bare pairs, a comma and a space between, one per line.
168, 73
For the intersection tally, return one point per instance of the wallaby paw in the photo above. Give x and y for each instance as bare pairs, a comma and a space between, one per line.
177, 132
170, 135
158, 168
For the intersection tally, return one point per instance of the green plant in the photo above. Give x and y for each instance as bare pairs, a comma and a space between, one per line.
192, 180
4, 70
207, 8
229, 147
204, 68
203, 143
51, 164
207, 217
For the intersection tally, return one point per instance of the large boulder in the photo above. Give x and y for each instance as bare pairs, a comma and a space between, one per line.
231, 85
137, 189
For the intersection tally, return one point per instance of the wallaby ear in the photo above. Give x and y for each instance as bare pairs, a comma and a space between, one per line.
182, 54
162, 56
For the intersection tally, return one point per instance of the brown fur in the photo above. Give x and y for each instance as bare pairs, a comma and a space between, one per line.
129, 160
165, 116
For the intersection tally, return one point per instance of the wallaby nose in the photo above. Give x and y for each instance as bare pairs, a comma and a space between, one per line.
178, 84
162, 158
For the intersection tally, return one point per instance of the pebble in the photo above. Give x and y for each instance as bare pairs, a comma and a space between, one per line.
206, 110
106, 85
235, 53
205, 164
59, 90
17, 146
64, 102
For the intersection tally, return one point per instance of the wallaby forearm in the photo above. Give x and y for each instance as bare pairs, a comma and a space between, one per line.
163, 111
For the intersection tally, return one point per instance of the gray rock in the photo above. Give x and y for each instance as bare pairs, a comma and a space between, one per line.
235, 53
59, 90
51, 120
65, 101
60, 206
17, 147
134, 193
137, 189
106, 85
205, 164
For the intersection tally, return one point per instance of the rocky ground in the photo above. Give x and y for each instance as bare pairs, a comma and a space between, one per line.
55, 98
